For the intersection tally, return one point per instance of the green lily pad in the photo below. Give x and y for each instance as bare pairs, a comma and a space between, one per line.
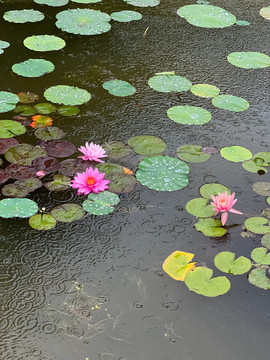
225, 261
45, 108
265, 240
49, 133
86, 1
8, 101
235, 153
67, 95
265, 156
126, 16
242, 23
42, 222
169, 82
268, 200
178, 264
191, 153
189, 115
24, 154
265, 12
67, 212
21, 208
27, 97
108, 168
121, 183
33, 68
23, 16
31, 184
59, 183
230, 102
25, 110
255, 166
147, 145
119, 88
258, 225
259, 278
44, 43
249, 60
200, 280
260, 256
143, 3
9, 129
262, 188
83, 21
266, 213
198, 207
14, 191
101, 203
52, 2
207, 16
210, 227
3, 45
116, 149
205, 90
207, 190
68, 110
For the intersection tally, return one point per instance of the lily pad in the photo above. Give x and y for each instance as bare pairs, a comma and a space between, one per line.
126, 16
8, 101
45, 108
23, 154
210, 227
116, 149
265, 240
259, 278
71, 167
25, 110
235, 153
191, 153
9, 129
249, 60
225, 261
4, 176
67, 212
59, 183
3, 45
23, 16
67, 95
242, 23
200, 280
258, 225
260, 256
255, 166
177, 265
60, 148
33, 68
41, 121
265, 156
268, 200
207, 16
230, 102
265, 12
163, 173
83, 21
110, 168
147, 145
68, 110
52, 2
86, 1
119, 88
23, 120
169, 82
266, 213
205, 90
49, 133
189, 115
143, 3
27, 97
207, 190
101, 203
21, 208
22, 186
262, 188
19, 172
199, 207
42, 222
47, 164
121, 182
44, 43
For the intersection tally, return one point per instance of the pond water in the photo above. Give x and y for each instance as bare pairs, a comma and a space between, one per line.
95, 289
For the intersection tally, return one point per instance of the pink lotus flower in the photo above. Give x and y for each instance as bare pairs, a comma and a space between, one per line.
90, 180
92, 152
40, 174
224, 203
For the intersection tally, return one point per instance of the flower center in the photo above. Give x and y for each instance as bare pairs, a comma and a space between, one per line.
91, 180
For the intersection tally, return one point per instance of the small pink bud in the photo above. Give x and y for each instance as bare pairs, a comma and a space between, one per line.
40, 174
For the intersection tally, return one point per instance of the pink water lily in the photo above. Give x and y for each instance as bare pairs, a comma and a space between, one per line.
224, 203
92, 152
90, 181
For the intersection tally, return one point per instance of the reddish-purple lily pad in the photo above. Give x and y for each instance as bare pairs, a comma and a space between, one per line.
27, 97
59, 183
210, 150
22, 119
47, 164
24, 154
71, 167
60, 148
20, 172
121, 183
49, 133
15, 191
4, 176
5, 144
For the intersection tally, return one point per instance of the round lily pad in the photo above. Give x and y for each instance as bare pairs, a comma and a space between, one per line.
235, 153
4, 176
83, 21
9, 129
25, 110
119, 88
265, 156
116, 149
210, 227
60, 148
191, 153
27, 97
121, 182
67, 95
163, 173
108, 168
265, 12
249, 60
147, 145
265, 240
59, 183
52, 2
42, 222
143, 3
23, 154
199, 207
41, 121
230, 102
8, 101
205, 90
67, 212
68, 110
225, 261
3, 45
126, 16
207, 16
33, 68
23, 16
45, 108
189, 115
19, 172
49, 133
101, 203
255, 166
71, 167
21, 208
259, 278
262, 188
47, 164
86, 1
258, 225
260, 256
44, 43
178, 264
207, 190
29, 184
169, 82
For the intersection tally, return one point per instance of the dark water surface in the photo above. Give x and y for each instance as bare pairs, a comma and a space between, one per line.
95, 288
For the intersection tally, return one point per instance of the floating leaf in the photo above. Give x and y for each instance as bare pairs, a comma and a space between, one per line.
67, 110
109, 168
265, 12
67, 95
49, 133
101, 203
260, 256
210, 227
254, 166
45, 108
126, 16
147, 145
21, 188
191, 153
265, 240
225, 261
9, 129
207, 16
41, 121
25, 110
205, 90
199, 208
23, 154
44, 43
71, 167
207, 190
177, 265
265, 156
266, 213
235, 153
67, 212
116, 149
42, 222
86, 1
47, 164
23, 16
8, 101
189, 115
52, 2
262, 188
242, 23
21, 208
268, 200
60, 148
258, 225
119, 88
249, 60
27, 97
121, 182
143, 3
33, 68
59, 183
169, 82
259, 278
230, 102
19, 172
3, 45
200, 280
4, 176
